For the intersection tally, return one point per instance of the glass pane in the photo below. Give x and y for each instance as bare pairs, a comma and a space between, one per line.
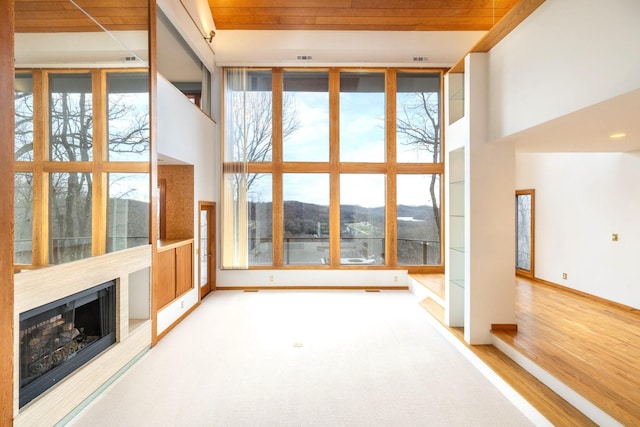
128, 116
306, 218
362, 112
418, 118
23, 218
127, 211
259, 226
24, 117
305, 117
523, 231
418, 221
204, 247
69, 216
362, 219
71, 117
249, 120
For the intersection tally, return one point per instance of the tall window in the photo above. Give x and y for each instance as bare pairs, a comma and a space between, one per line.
362, 219
362, 112
337, 174
306, 218
305, 116
259, 203
82, 164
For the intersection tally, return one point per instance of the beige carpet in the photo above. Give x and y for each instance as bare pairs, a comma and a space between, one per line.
303, 358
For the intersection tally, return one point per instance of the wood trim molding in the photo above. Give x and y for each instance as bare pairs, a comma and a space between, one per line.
7, 154
596, 298
504, 327
178, 320
312, 288
153, 217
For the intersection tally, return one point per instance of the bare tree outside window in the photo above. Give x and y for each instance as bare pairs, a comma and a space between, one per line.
418, 127
71, 134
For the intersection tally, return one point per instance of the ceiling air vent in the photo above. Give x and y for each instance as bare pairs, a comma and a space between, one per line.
420, 59
304, 58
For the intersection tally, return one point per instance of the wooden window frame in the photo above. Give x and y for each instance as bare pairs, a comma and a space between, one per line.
99, 166
531, 272
277, 167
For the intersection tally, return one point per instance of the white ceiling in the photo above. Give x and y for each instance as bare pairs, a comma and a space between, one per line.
343, 48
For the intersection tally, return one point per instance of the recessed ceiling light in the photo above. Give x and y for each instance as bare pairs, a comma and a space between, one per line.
617, 135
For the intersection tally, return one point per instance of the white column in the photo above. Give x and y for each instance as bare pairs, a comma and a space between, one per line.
489, 214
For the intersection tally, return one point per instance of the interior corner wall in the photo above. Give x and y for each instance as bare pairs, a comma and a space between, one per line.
581, 200
489, 215
567, 55
186, 134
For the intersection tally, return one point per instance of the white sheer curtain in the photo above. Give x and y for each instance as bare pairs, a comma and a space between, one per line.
234, 170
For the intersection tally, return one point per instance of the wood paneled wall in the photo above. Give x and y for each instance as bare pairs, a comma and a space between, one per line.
179, 200
6, 210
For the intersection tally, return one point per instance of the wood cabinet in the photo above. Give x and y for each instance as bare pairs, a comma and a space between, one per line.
175, 269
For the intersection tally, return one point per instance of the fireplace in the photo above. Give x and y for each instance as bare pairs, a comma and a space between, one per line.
59, 337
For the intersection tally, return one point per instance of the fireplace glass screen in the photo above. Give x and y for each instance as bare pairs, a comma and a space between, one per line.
59, 337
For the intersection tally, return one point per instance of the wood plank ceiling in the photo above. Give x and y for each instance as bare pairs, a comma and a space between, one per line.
51, 16
376, 15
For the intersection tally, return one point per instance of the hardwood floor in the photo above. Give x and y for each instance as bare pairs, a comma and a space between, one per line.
591, 345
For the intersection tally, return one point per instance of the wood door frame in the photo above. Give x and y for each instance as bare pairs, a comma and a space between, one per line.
211, 242
531, 272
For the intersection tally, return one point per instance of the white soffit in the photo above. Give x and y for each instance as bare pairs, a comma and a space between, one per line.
79, 50
587, 130
343, 48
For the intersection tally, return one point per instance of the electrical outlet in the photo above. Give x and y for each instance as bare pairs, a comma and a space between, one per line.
395, 278
271, 278
181, 304
564, 276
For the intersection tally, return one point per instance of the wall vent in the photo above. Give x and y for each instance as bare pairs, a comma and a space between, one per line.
304, 58
420, 59
129, 59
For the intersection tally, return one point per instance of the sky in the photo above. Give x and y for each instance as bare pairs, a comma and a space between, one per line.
362, 138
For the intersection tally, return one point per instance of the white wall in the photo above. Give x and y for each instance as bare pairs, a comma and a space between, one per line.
186, 134
314, 278
569, 54
581, 200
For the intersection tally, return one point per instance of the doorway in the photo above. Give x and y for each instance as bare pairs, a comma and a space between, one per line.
207, 247
525, 227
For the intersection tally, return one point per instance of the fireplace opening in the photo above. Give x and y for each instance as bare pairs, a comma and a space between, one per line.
59, 337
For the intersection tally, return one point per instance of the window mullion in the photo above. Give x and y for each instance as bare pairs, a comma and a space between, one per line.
276, 177
334, 167
99, 187
40, 233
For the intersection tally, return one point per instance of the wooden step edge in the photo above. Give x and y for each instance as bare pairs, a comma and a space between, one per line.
550, 404
434, 308
434, 283
547, 402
